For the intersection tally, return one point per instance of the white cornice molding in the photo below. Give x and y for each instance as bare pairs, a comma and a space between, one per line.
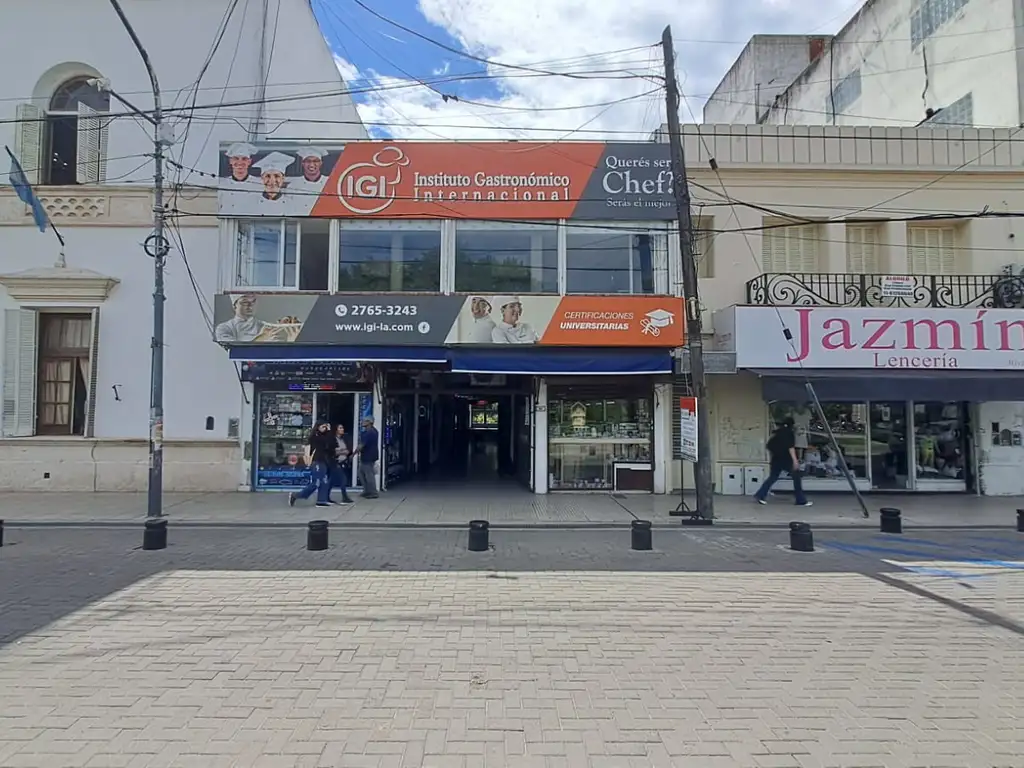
58, 284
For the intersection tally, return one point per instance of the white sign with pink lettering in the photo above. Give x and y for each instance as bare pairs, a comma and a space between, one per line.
914, 339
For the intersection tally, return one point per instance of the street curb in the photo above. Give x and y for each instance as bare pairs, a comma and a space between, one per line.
378, 526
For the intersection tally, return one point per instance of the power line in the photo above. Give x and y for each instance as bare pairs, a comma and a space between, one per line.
465, 54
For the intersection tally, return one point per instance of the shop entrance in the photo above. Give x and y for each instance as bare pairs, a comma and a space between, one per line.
458, 430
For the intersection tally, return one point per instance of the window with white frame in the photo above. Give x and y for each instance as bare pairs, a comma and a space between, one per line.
49, 372
929, 16
506, 257
282, 253
959, 114
788, 247
611, 260
390, 256
863, 253
843, 95
932, 250
65, 143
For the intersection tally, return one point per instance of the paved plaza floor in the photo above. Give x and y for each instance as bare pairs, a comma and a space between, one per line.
508, 504
555, 648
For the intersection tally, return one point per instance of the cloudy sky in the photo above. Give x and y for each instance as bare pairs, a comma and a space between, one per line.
606, 44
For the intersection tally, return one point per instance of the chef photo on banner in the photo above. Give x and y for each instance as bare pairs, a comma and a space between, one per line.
244, 327
238, 179
511, 328
314, 176
272, 200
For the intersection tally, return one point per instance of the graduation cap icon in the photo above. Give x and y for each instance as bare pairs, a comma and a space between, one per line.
655, 320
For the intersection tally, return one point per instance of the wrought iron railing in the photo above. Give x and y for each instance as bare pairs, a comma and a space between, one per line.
848, 290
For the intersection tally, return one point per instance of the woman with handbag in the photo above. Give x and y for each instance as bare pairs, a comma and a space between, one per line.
343, 454
321, 455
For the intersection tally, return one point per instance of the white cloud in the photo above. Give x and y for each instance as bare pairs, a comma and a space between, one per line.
568, 35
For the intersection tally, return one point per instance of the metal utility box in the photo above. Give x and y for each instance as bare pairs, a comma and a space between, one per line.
732, 480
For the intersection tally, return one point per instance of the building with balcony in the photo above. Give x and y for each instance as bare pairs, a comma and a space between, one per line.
894, 63
77, 326
891, 257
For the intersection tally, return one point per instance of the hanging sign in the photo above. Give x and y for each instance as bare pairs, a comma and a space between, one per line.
688, 428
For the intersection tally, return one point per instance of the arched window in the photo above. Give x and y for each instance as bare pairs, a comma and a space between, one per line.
65, 143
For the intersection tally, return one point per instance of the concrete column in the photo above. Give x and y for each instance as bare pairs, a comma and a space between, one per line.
246, 417
832, 252
661, 450
540, 439
895, 259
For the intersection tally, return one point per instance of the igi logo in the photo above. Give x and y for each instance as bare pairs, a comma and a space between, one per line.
368, 188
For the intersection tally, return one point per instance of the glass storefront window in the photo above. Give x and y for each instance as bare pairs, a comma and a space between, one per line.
587, 438
282, 253
606, 261
285, 422
813, 447
939, 430
510, 259
402, 257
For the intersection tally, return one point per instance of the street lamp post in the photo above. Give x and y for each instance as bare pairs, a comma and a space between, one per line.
156, 247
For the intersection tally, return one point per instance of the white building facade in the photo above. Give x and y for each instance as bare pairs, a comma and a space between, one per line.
838, 234
895, 63
77, 328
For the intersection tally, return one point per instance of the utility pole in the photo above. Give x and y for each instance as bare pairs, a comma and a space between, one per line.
157, 248
694, 338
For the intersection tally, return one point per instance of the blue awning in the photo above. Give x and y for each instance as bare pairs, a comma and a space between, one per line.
327, 353
561, 360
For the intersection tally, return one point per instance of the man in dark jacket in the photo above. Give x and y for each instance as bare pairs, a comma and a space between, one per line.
782, 451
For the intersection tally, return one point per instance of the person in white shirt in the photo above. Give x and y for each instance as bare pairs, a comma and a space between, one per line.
483, 325
312, 181
272, 168
239, 187
510, 330
245, 327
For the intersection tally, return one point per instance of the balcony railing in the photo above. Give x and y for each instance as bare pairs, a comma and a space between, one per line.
847, 290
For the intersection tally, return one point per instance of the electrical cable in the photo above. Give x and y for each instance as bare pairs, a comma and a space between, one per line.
465, 54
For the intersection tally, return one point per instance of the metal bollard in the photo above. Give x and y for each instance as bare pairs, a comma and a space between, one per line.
316, 536
1020, 524
890, 520
154, 535
479, 536
640, 535
1, 533
801, 539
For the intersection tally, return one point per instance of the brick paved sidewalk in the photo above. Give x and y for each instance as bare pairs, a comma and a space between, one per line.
454, 506
465, 670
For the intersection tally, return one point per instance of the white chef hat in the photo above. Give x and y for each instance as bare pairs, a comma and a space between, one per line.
240, 149
275, 162
504, 301
306, 152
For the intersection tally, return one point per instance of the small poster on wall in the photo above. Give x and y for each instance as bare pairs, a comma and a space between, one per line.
688, 428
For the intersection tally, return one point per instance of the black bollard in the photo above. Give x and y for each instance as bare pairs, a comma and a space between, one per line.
640, 535
479, 534
801, 539
316, 536
1, 533
890, 520
154, 535
1020, 525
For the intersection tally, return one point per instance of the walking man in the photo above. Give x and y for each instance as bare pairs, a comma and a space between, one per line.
369, 455
782, 450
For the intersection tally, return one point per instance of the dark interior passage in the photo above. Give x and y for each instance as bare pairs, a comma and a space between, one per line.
474, 436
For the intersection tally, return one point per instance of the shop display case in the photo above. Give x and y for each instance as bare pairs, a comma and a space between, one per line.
588, 440
285, 421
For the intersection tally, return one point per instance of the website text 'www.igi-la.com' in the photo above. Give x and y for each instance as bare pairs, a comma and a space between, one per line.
374, 326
